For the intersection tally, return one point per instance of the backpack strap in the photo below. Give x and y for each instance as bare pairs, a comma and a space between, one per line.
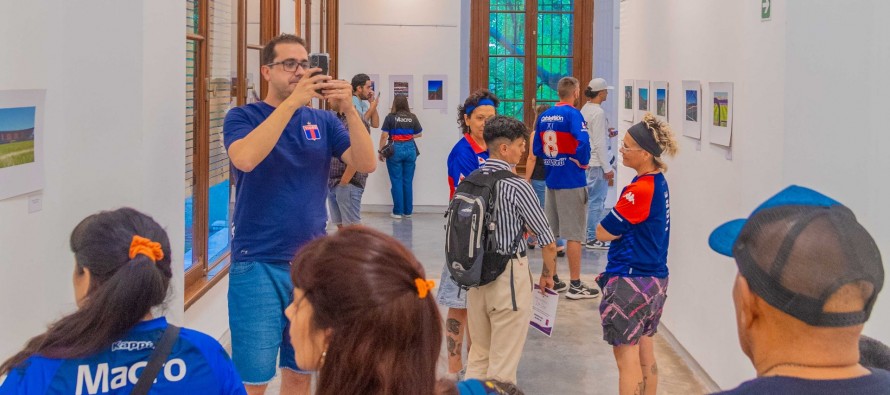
156, 361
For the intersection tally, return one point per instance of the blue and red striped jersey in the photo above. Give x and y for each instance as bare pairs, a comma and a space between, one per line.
562, 142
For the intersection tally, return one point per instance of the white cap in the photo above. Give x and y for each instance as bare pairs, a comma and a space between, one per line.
599, 84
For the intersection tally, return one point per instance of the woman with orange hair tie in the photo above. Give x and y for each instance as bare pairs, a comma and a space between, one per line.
113, 344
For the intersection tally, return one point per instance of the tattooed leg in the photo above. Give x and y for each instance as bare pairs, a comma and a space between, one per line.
648, 365
455, 327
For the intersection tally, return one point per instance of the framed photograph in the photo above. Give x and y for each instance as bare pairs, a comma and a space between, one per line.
642, 91
721, 108
692, 109
375, 82
627, 111
401, 85
662, 94
21, 142
435, 95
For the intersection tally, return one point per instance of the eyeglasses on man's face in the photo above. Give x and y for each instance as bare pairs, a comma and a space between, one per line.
290, 65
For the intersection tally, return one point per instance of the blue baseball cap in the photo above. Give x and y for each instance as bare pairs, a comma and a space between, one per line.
723, 238
797, 249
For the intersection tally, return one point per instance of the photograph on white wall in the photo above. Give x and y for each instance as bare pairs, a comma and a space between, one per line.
21, 142
627, 113
642, 93
402, 85
692, 109
375, 82
721, 113
435, 95
662, 94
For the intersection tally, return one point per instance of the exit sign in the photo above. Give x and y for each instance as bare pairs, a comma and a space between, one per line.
766, 9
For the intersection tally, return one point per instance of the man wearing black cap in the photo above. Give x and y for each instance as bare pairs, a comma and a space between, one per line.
809, 275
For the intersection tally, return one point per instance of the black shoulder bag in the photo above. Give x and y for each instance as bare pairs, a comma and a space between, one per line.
156, 360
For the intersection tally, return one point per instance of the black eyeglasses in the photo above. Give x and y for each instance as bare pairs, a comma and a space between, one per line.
290, 65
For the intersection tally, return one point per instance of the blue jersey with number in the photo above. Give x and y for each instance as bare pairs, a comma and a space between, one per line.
196, 365
562, 142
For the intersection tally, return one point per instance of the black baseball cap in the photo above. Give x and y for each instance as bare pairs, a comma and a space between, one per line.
797, 249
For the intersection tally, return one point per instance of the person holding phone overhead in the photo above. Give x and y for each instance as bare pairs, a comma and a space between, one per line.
281, 152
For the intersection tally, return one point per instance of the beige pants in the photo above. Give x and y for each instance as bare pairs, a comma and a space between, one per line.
497, 331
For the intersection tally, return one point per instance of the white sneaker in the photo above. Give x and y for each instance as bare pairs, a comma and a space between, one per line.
395, 216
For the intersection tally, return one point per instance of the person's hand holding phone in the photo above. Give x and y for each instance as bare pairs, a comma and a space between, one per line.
338, 92
308, 86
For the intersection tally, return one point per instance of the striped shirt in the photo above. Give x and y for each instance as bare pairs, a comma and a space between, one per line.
517, 208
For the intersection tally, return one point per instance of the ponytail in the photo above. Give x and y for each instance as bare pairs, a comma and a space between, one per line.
122, 289
664, 137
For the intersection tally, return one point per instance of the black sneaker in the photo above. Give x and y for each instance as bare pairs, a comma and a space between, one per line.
591, 244
582, 292
560, 286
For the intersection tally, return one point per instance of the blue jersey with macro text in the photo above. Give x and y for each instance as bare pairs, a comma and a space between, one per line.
561, 140
196, 365
642, 217
401, 126
280, 205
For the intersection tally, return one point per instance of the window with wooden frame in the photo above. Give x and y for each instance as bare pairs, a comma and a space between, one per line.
219, 77
521, 48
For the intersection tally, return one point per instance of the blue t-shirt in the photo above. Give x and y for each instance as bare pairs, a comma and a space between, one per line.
561, 135
465, 157
280, 205
478, 387
642, 217
197, 365
401, 127
877, 383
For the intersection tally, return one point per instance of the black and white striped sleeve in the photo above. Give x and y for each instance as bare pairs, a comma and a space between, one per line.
530, 211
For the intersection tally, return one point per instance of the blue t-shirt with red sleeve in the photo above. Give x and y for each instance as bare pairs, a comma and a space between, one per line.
196, 365
642, 217
280, 205
465, 157
561, 140
401, 127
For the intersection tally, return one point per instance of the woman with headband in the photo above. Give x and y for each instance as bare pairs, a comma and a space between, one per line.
635, 281
113, 344
469, 154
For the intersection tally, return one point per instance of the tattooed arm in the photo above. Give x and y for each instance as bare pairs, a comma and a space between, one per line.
549, 268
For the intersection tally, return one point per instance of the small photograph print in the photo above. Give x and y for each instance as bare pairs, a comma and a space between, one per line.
400, 88
644, 99
692, 106
661, 102
721, 109
16, 136
628, 97
435, 90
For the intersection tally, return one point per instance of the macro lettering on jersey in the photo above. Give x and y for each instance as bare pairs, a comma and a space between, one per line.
132, 345
103, 380
406, 120
551, 118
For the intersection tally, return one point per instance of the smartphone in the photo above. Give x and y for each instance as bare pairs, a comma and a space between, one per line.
320, 60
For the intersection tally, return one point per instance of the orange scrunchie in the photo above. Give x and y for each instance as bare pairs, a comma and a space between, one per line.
151, 249
424, 286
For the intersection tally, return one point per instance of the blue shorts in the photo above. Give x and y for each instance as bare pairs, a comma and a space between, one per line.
258, 294
449, 294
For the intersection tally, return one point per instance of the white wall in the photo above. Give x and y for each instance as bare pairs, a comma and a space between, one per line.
114, 76
806, 112
374, 40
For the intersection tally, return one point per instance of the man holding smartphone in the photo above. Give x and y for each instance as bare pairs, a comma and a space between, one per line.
281, 152
366, 100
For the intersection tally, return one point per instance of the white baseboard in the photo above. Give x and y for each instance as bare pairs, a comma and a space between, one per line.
697, 371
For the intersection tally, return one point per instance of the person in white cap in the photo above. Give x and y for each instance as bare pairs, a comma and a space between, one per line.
599, 171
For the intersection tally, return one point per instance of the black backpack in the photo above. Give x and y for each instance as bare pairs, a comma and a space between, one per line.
470, 224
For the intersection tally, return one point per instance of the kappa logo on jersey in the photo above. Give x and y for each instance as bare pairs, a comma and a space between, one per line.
311, 132
132, 345
481, 161
629, 197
